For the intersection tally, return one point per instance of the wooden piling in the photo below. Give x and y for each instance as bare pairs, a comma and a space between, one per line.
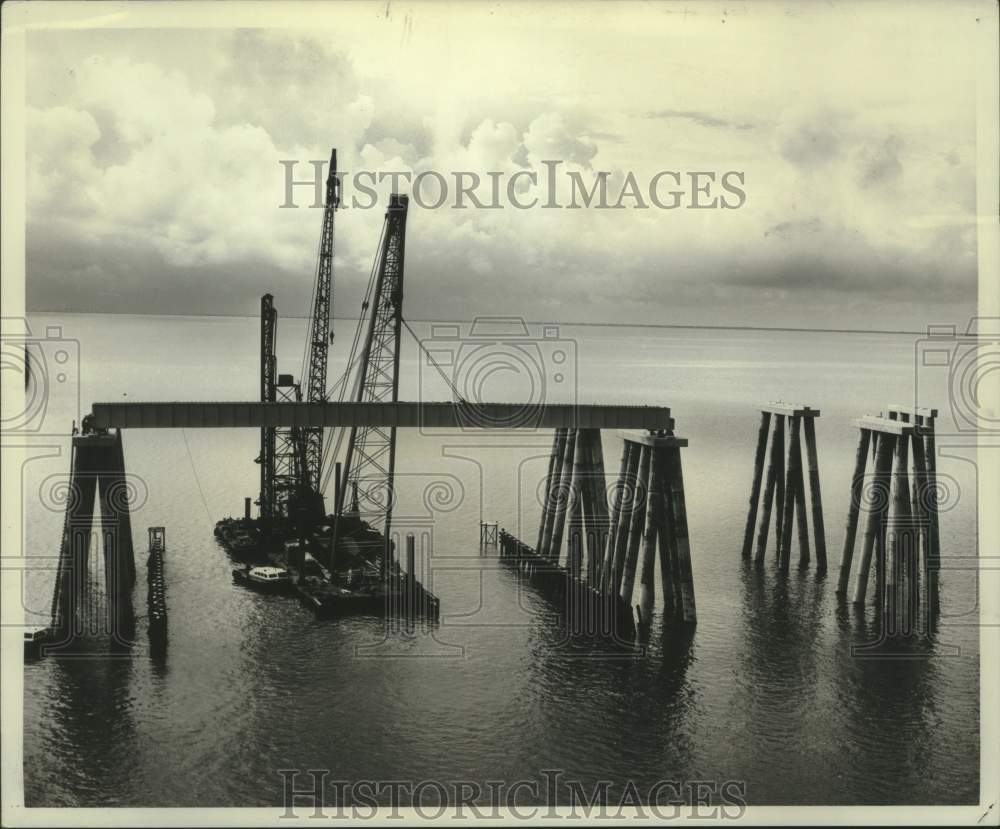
897, 546
779, 483
116, 515
853, 510
636, 525
574, 555
654, 521
552, 546
758, 471
769, 490
411, 570
678, 506
933, 555
924, 511
588, 529
596, 505
670, 576
410, 598
629, 499
800, 504
555, 460
816, 500
608, 562
787, 514
918, 507
916, 541
883, 465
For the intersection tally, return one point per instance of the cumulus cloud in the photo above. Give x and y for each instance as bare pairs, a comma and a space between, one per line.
154, 178
548, 137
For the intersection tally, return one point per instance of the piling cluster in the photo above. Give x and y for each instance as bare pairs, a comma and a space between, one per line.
410, 599
606, 563
587, 611
784, 486
97, 474
901, 531
607, 566
649, 520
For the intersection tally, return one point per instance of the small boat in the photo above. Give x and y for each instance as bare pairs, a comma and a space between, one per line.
265, 579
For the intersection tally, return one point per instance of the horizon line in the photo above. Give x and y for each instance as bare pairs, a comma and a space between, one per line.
658, 325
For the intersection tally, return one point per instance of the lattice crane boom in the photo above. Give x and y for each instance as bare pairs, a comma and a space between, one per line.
369, 466
320, 334
268, 379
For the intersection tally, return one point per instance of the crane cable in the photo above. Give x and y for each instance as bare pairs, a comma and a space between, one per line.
333, 448
341, 431
433, 362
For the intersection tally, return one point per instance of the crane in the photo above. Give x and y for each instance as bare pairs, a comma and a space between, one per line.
268, 379
369, 465
320, 337
294, 458
291, 458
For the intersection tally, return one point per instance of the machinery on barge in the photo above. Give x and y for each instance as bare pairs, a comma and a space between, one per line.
344, 559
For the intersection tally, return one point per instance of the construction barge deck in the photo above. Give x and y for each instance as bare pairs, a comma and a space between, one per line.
333, 580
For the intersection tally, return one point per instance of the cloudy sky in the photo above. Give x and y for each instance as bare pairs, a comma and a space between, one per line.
154, 182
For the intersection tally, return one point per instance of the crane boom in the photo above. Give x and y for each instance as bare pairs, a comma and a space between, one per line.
369, 468
268, 379
320, 333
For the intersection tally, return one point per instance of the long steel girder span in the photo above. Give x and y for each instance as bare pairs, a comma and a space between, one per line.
465, 416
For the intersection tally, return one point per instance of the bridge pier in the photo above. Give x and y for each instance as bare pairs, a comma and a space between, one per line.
900, 531
97, 469
785, 486
657, 522
608, 570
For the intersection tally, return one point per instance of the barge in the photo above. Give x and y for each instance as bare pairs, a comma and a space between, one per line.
332, 578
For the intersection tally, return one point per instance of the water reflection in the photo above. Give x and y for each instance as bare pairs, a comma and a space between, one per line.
611, 710
888, 709
781, 623
91, 702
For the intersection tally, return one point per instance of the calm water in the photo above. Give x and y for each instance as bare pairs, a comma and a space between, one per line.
766, 690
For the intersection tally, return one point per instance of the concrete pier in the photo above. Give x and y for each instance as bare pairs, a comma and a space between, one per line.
97, 471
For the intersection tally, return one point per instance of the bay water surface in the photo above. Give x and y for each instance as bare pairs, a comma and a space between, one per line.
768, 689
